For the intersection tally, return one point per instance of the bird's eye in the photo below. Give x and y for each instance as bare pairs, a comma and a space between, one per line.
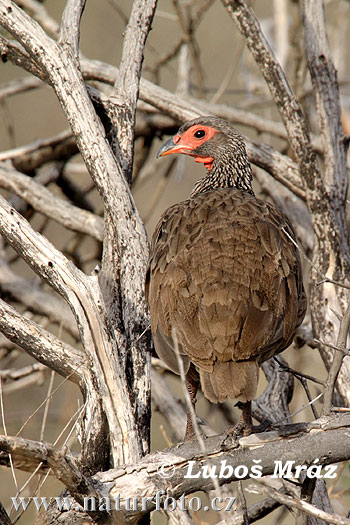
199, 134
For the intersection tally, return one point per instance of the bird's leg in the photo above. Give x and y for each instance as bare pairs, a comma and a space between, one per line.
245, 424
192, 384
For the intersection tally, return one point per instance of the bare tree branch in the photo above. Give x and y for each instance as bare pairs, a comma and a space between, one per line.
14, 52
40, 344
323, 76
337, 361
45, 202
32, 156
19, 86
300, 504
63, 465
128, 79
38, 11
146, 478
284, 98
124, 252
324, 80
36, 299
70, 27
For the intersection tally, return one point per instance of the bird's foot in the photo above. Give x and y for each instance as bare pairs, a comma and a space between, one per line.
245, 426
229, 439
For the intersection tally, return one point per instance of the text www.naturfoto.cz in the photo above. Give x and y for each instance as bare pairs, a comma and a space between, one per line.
129, 504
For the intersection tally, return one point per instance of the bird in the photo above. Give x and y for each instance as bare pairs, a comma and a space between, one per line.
224, 277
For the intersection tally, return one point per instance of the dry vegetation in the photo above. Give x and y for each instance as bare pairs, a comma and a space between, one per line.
79, 188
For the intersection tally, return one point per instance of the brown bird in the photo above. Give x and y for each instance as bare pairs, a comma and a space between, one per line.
224, 280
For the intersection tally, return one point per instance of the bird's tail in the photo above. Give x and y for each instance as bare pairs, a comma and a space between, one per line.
232, 379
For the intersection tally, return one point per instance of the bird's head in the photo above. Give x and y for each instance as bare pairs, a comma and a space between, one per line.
215, 143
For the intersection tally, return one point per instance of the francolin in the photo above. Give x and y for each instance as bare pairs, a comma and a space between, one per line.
224, 279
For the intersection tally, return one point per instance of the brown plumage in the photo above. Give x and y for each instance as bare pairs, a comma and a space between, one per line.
224, 281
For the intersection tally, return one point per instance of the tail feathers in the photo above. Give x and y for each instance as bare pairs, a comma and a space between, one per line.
231, 379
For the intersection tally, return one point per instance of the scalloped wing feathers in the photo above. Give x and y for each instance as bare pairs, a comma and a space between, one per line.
224, 288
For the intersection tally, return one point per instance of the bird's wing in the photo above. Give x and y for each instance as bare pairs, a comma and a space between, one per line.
224, 279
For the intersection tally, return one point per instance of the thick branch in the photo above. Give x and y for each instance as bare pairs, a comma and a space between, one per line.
329, 437
328, 299
14, 52
122, 301
325, 83
45, 202
281, 92
128, 79
169, 471
40, 344
70, 26
63, 465
32, 156
35, 299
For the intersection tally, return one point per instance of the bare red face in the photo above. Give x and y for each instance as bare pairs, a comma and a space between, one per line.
188, 142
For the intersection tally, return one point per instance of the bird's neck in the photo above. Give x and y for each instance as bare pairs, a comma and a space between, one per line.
234, 175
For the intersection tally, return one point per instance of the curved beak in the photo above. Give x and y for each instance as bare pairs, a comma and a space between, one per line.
169, 147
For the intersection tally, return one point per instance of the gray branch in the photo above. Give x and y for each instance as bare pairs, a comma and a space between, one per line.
295, 443
40, 344
70, 26
128, 79
112, 322
34, 298
48, 204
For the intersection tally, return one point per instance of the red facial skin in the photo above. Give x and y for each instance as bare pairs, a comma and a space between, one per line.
188, 142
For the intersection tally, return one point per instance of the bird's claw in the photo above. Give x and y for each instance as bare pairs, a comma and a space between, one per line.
230, 439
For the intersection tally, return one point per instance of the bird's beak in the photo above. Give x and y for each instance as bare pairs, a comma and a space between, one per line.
169, 147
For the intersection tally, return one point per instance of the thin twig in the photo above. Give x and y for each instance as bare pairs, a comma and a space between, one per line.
47, 404
296, 503
5, 432
345, 351
242, 502
300, 409
190, 407
337, 361
299, 374
332, 281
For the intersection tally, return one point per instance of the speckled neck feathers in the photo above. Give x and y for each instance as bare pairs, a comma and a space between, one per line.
232, 174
